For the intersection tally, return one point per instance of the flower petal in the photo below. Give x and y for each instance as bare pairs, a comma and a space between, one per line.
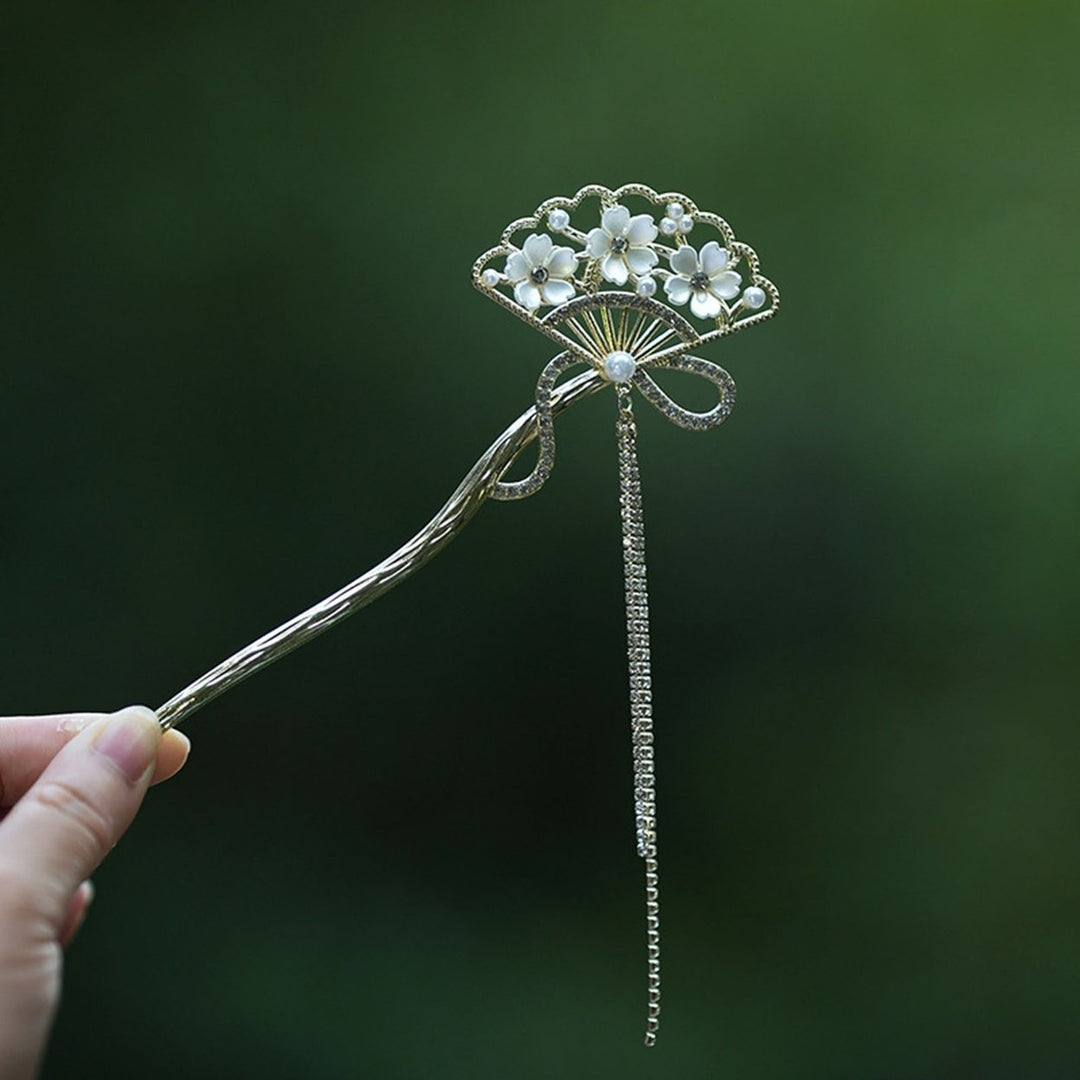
685, 261
517, 266
562, 262
556, 291
597, 243
641, 259
704, 305
615, 220
713, 258
677, 289
725, 284
641, 230
537, 248
614, 269
527, 294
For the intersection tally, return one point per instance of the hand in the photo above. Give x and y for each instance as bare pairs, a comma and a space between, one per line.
69, 787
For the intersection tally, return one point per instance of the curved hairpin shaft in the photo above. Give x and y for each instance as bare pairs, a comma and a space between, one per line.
459, 509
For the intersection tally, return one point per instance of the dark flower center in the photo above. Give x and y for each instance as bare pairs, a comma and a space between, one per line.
619, 245
539, 275
699, 281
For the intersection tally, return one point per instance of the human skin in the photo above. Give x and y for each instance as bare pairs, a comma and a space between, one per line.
70, 785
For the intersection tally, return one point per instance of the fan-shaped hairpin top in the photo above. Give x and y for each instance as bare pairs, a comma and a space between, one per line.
595, 291
628, 250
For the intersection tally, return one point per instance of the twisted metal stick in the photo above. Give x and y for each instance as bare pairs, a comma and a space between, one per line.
427, 543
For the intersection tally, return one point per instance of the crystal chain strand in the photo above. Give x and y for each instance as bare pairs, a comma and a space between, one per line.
641, 722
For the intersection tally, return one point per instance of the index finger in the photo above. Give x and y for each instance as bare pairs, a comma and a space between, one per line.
29, 743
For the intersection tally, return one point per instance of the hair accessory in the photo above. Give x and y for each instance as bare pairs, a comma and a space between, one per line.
594, 291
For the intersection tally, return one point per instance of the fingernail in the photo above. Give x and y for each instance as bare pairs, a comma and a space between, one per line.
185, 742
129, 739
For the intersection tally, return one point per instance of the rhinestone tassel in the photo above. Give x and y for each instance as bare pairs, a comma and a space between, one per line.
641, 722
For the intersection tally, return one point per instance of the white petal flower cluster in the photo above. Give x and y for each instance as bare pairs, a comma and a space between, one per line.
622, 248
702, 279
541, 272
621, 243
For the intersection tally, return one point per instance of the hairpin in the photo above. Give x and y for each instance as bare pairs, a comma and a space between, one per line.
594, 291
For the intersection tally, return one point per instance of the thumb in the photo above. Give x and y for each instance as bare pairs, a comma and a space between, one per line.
62, 828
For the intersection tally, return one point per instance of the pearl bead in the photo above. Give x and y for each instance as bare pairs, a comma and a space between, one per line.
669, 226
558, 219
754, 298
646, 286
686, 223
490, 278
674, 210
619, 366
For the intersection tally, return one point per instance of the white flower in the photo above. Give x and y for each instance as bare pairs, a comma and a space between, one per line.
541, 273
622, 243
702, 280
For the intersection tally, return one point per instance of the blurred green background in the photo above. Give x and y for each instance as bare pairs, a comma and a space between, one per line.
242, 361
